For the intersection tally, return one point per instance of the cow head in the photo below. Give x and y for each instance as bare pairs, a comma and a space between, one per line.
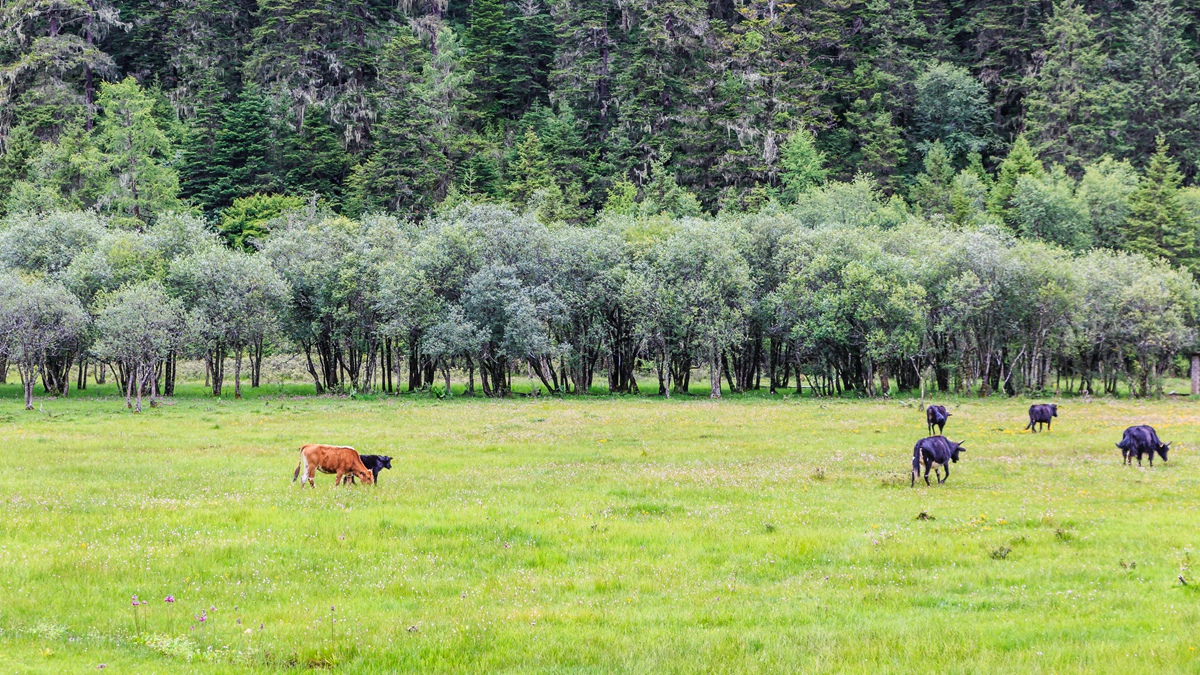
385, 462
1054, 410
367, 477
1162, 450
955, 449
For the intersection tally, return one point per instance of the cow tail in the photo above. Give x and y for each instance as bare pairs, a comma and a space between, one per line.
916, 470
299, 466
1030, 423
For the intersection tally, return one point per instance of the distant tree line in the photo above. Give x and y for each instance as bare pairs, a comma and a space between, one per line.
136, 107
845, 290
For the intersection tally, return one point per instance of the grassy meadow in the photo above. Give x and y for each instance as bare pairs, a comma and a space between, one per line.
593, 535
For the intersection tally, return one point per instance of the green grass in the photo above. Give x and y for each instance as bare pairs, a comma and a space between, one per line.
593, 536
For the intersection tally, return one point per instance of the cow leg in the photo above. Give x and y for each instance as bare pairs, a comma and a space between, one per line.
340, 476
928, 465
310, 474
946, 468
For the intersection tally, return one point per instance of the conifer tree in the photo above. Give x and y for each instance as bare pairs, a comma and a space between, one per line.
1020, 162
1074, 108
881, 147
141, 185
1164, 82
484, 40
934, 187
802, 165
1158, 224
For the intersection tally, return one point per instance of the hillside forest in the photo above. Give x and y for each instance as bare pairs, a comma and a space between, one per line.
830, 196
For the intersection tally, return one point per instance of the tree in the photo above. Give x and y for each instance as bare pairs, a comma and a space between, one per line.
53, 43
236, 301
1105, 192
951, 107
1164, 78
1158, 224
245, 224
412, 164
235, 162
141, 185
1075, 107
802, 165
881, 148
36, 319
1019, 162
1045, 207
140, 328
934, 188
320, 55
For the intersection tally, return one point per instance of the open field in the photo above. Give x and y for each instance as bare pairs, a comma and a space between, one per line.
596, 535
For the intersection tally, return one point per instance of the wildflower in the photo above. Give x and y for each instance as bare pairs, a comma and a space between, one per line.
135, 601
249, 631
169, 598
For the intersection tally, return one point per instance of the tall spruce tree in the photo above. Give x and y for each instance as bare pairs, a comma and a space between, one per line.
1164, 82
1075, 107
1020, 162
1158, 223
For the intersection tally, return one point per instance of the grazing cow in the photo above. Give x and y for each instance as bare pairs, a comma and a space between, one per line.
1142, 440
336, 459
375, 463
936, 415
1040, 413
935, 450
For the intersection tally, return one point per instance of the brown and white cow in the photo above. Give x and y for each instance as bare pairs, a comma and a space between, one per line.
336, 459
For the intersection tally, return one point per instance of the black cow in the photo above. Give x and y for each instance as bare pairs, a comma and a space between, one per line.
375, 463
935, 450
1040, 413
1142, 440
936, 415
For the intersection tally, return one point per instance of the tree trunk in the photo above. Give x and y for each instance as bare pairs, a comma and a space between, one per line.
714, 372
237, 372
28, 377
141, 379
128, 389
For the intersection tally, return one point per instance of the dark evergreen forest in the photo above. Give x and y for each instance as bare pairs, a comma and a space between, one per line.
379, 106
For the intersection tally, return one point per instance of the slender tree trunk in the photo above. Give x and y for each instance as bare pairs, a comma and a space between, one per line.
141, 383
129, 389
28, 377
237, 372
714, 372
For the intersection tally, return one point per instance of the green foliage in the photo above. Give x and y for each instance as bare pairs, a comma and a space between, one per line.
1158, 224
801, 165
881, 147
934, 188
1019, 162
951, 107
1045, 207
245, 223
1075, 110
140, 185
1105, 192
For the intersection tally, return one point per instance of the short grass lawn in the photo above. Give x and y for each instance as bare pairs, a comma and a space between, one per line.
594, 535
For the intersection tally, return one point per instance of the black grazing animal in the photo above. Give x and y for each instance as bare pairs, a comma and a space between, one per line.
935, 450
375, 464
1040, 413
1142, 440
936, 415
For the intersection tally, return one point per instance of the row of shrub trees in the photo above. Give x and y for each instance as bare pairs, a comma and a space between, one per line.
843, 292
